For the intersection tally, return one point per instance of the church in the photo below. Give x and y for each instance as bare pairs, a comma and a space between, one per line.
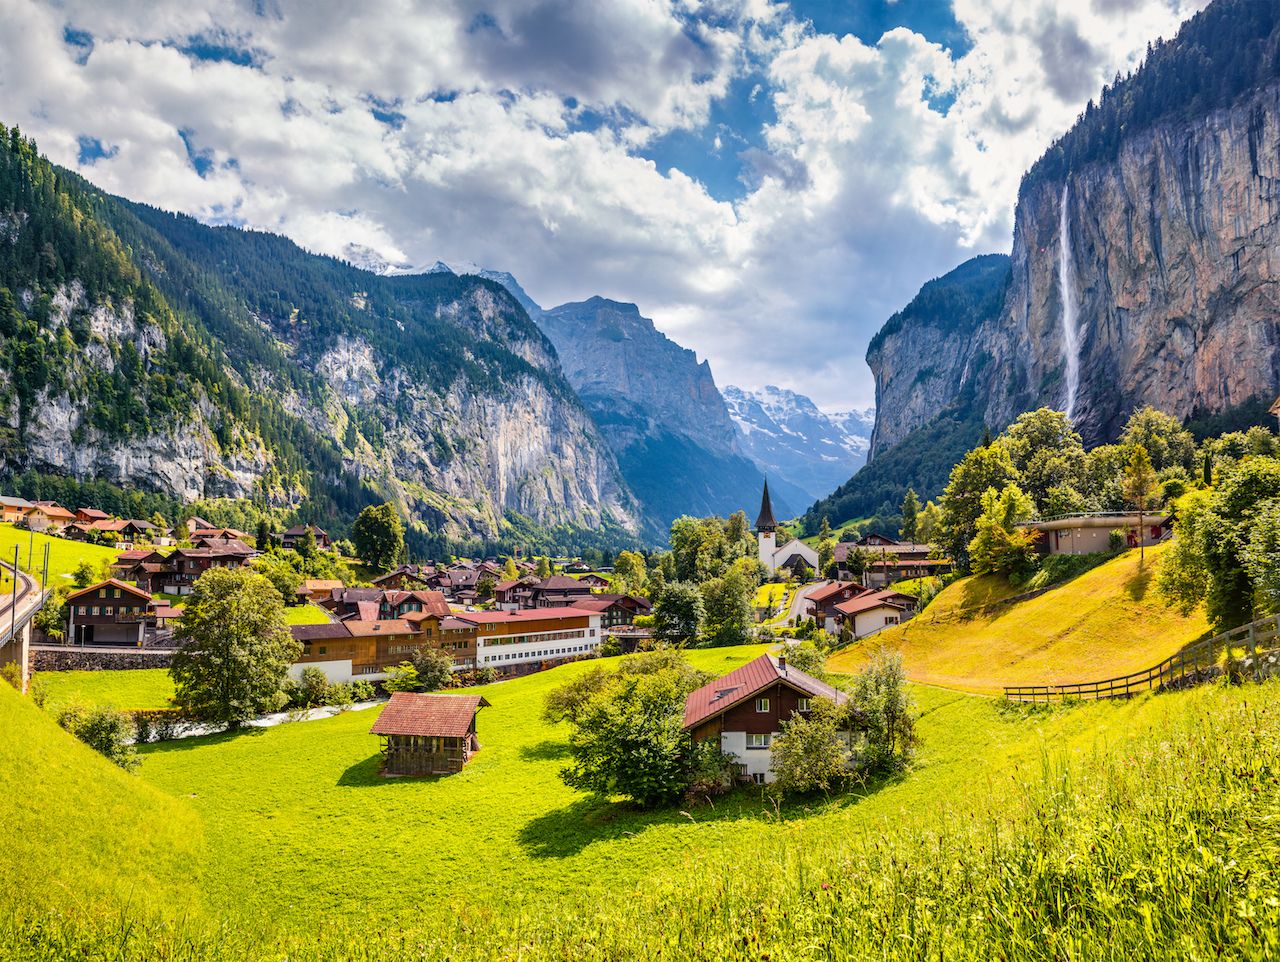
793, 555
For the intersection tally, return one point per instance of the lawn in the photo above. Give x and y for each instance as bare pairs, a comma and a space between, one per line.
307, 614
64, 555
129, 689
1107, 622
1098, 830
769, 595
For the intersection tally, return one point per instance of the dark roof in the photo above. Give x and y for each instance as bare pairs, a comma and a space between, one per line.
319, 632
819, 595
111, 583
410, 713
765, 521
856, 606
740, 684
563, 583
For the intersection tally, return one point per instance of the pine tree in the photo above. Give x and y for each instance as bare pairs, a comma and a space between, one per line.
910, 511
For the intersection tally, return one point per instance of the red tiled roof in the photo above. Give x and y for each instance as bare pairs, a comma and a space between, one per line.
740, 684
563, 583
855, 606
322, 632
527, 614
92, 513
410, 713
367, 629
829, 591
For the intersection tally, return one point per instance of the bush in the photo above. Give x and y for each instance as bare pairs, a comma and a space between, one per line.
1056, 568
711, 772
1117, 541
882, 704
105, 730
487, 675
401, 677
142, 727
434, 668
12, 673
339, 696
610, 647
311, 690
811, 753
362, 690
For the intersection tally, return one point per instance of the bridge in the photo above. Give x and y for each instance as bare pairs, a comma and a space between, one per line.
18, 607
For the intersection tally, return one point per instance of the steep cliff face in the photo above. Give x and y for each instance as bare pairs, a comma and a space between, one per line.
1144, 260
924, 354
1173, 269
658, 407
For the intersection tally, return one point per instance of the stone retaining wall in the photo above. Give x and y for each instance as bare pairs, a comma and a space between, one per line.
74, 659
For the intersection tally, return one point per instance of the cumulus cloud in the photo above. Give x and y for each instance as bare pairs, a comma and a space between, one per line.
517, 138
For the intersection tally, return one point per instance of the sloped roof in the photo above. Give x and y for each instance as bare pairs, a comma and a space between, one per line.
111, 583
321, 584
323, 632
93, 513
856, 606
526, 614
819, 595
562, 583
765, 521
360, 628
411, 713
720, 695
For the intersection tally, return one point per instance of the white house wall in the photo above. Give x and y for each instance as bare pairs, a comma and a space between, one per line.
758, 761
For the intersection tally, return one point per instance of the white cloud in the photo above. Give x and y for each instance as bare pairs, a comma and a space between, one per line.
862, 189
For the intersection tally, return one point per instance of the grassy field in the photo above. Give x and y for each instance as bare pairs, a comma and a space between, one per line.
769, 595
63, 557
81, 834
1137, 829
1109, 621
141, 688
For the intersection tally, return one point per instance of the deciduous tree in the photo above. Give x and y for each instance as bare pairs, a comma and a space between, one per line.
378, 534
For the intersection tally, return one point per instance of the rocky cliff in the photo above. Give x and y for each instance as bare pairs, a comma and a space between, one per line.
1144, 260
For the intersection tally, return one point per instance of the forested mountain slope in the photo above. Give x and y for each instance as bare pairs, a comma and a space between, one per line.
148, 349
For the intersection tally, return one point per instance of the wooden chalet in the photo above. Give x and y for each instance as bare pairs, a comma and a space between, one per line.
290, 539
428, 734
14, 509
109, 613
745, 710
90, 515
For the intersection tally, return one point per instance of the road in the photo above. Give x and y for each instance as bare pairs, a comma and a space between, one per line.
801, 593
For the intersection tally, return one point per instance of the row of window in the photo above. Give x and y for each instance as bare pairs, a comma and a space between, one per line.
93, 610
549, 653
543, 636
762, 704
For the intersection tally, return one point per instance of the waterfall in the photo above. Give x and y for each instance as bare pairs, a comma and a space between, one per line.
1066, 290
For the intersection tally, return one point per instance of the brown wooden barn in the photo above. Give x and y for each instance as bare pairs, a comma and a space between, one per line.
428, 734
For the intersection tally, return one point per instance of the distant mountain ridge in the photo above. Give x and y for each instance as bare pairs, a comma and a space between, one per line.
792, 440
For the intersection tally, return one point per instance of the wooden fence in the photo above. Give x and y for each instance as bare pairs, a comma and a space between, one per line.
1237, 649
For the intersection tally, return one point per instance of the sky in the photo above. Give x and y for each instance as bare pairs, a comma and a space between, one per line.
768, 181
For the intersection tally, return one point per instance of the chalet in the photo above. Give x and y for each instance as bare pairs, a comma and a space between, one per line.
872, 612
128, 529
78, 531
398, 604
180, 570
318, 589
448, 633
346, 602
109, 613
513, 595
290, 539
882, 573
821, 602
794, 556
14, 509
91, 515
558, 591
615, 610
428, 734
519, 641
593, 580
1089, 533
209, 536
196, 523
746, 709
405, 578
48, 516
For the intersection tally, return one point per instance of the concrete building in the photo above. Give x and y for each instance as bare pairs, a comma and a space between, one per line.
1090, 533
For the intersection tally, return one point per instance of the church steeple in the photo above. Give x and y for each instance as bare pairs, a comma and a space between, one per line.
765, 522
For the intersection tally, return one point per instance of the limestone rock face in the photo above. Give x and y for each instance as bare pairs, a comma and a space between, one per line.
1176, 254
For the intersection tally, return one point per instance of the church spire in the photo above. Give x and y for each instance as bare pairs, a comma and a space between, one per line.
765, 522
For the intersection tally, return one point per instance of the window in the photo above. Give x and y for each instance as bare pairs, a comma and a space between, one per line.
804, 705
324, 650
757, 741
82, 610
762, 704
758, 777
93, 610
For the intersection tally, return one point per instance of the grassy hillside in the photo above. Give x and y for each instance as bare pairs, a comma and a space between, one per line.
127, 689
80, 833
64, 555
1109, 621
1136, 829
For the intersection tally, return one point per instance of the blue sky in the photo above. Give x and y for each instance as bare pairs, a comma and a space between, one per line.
767, 180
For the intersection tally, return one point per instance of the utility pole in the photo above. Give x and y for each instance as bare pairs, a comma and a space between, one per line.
31, 544
13, 602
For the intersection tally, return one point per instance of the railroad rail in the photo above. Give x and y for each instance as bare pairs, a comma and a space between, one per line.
1237, 650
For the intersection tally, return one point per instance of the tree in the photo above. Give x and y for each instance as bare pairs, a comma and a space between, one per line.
434, 668
1046, 452
1000, 546
484, 586
565, 702
378, 534
1262, 557
811, 752
105, 730
679, 614
882, 703
928, 524
629, 573
401, 677
628, 737
234, 648
52, 618
83, 574
726, 602
306, 545
262, 540
1162, 436
1139, 489
826, 545
910, 516
312, 689
284, 577
961, 502
509, 570
657, 581
1207, 469
544, 568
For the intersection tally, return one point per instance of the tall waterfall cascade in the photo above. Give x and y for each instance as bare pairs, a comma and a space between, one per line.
1067, 292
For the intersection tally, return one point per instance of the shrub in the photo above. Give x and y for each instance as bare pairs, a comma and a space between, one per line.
37, 690
434, 668
811, 753
105, 730
487, 675
610, 647
142, 727
312, 689
883, 705
401, 677
362, 690
1117, 541
12, 673
339, 696
711, 772
1057, 568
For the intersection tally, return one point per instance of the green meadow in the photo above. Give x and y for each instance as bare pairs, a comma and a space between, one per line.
1138, 829
64, 555
127, 690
